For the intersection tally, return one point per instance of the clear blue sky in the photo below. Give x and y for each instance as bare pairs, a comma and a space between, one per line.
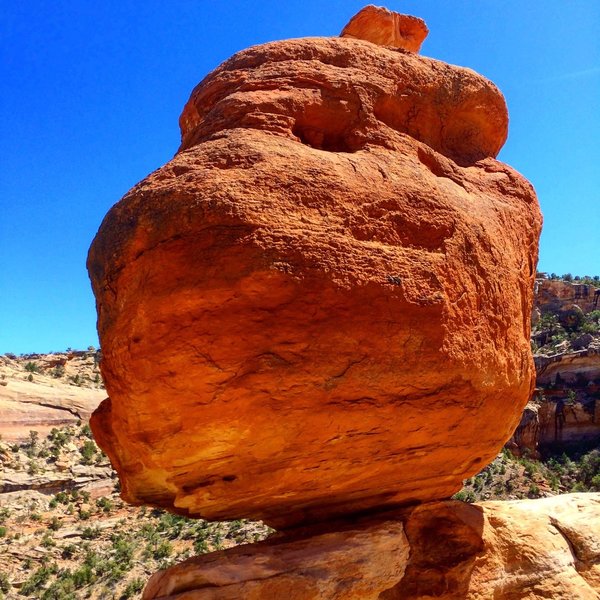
90, 94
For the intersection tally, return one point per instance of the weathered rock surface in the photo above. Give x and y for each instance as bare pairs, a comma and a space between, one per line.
526, 437
321, 304
27, 406
572, 367
531, 549
387, 28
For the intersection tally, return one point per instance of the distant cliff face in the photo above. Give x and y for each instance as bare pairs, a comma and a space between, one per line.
565, 408
552, 295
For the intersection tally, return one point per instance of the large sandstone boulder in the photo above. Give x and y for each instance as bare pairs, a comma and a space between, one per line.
524, 549
321, 304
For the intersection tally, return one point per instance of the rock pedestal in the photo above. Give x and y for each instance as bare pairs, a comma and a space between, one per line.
532, 549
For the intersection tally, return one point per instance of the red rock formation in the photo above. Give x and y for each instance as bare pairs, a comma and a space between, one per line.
386, 28
526, 438
555, 419
534, 549
321, 304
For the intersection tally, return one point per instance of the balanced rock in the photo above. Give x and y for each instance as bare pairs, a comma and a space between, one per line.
386, 28
534, 549
321, 304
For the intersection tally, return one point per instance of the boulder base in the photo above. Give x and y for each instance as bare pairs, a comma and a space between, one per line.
524, 549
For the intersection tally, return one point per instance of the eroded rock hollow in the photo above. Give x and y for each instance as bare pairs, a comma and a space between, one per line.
321, 304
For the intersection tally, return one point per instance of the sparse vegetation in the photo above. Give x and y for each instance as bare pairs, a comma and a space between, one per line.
94, 542
509, 477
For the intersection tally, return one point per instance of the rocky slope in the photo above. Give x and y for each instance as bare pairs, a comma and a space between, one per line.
43, 391
65, 533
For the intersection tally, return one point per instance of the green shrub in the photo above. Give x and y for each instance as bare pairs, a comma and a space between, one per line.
88, 450
106, 504
90, 533
36, 580
4, 583
83, 576
464, 496
133, 587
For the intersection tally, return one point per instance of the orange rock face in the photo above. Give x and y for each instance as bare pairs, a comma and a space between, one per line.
525, 549
386, 28
321, 304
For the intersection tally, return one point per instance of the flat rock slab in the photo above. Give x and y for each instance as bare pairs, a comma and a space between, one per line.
525, 549
321, 305
31, 406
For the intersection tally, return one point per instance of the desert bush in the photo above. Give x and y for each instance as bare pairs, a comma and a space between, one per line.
36, 580
133, 587
69, 551
90, 533
106, 504
4, 583
464, 496
58, 372
83, 576
88, 450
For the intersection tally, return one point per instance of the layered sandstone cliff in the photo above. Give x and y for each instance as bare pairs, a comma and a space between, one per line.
314, 307
552, 295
